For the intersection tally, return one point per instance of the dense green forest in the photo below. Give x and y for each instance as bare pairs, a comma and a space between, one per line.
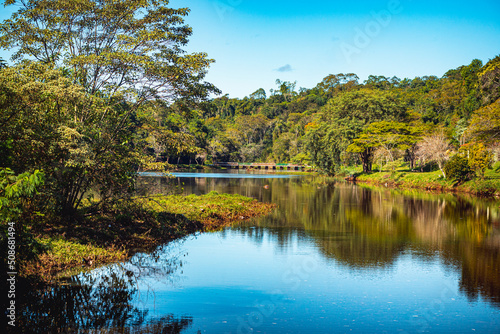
339, 122
97, 91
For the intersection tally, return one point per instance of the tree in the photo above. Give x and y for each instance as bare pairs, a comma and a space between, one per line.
53, 125
378, 82
287, 89
345, 117
485, 123
334, 83
72, 113
470, 83
326, 145
285, 147
435, 148
489, 81
258, 94
223, 147
478, 157
388, 135
116, 48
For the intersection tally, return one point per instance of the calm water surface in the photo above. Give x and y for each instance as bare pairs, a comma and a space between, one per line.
332, 259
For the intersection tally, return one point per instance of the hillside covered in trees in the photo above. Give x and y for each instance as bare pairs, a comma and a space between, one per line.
339, 122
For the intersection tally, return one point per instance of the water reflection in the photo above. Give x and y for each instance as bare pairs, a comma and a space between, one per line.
104, 300
332, 256
365, 228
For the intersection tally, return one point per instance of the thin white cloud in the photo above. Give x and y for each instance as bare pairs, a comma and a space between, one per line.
285, 68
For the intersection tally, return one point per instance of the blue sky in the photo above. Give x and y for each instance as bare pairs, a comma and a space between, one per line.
256, 42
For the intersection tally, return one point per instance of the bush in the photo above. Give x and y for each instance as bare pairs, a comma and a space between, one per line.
457, 168
479, 159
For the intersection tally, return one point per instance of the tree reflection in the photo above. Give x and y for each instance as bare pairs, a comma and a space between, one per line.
369, 228
480, 272
101, 301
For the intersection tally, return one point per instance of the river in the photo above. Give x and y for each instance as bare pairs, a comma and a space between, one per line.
333, 258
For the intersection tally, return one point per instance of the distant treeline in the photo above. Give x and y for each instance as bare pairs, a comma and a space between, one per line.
340, 121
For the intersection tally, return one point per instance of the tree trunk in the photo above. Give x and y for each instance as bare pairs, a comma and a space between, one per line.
441, 165
366, 158
412, 156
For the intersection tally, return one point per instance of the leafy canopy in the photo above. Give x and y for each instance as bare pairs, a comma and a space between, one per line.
388, 134
344, 118
128, 47
485, 123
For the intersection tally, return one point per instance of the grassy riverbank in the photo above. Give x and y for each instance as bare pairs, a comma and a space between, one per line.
140, 225
404, 178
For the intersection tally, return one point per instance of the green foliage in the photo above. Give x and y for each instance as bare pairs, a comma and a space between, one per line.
113, 48
389, 135
335, 83
344, 118
479, 157
90, 115
485, 123
75, 112
301, 159
16, 192
435, 148
258, 94
63, 254
489, 81
212, 210
78, 140
457, 168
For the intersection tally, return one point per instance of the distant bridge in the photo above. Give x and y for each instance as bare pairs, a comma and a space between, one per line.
259, 165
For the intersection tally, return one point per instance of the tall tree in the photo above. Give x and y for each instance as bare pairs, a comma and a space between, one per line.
388, 136
258, 94
485, 123
489, 80
334, 83
97, 63
54, 126
346, 116
119, 47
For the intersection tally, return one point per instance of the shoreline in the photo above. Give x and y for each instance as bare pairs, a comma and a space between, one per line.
429, 182
424, 181
129, 228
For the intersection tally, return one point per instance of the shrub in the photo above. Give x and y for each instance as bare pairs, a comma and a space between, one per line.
457, 168
479, 159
